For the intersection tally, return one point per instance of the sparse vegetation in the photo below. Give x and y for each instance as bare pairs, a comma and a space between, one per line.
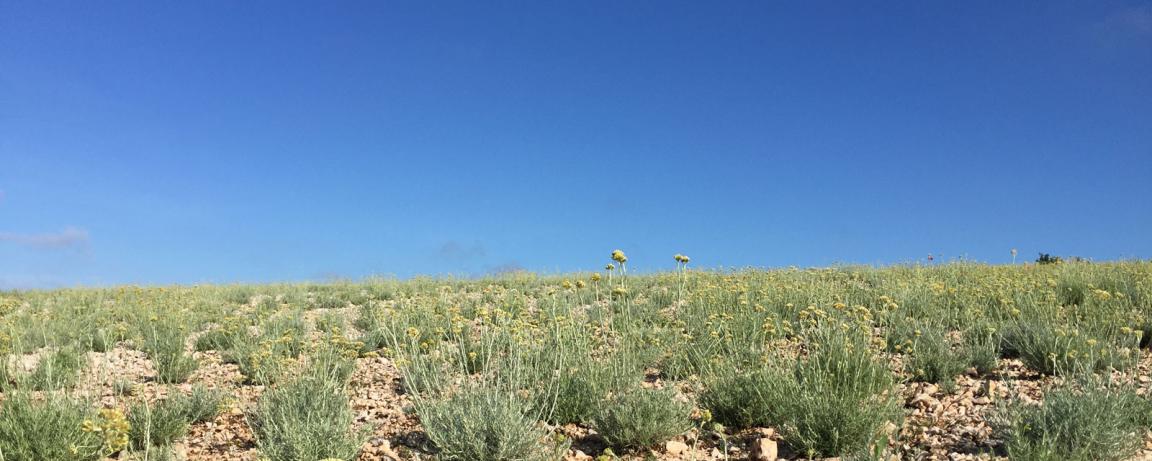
57, 428
834, 402
165, 346
521, 367
57, 369
1091, 421
306, 418
158, 424
642, 418
484, 423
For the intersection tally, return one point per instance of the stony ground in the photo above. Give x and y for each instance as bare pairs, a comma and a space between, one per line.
938, 425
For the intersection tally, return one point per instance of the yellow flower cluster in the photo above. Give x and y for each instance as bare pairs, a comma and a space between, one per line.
348, 348
8, 305
114, 427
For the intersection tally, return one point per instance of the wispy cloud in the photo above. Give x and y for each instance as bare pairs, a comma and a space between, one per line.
1134, 21
69, 238
457, 252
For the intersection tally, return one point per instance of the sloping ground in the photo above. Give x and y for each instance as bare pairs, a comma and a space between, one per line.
938, 425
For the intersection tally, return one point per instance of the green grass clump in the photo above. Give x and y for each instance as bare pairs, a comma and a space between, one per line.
834, 402
58, 369
7, 377
265, 358
642, 418
481, 423
932, 359
164, 344
305, 419
156, 424
1095, 422
982, 351
160, 423
571, 381
287, 331
576, 399
333, 362
202, 404
102, 340
330, 322
735, 398
259, 361
216, 340
1053, 348
123, 387
52, 429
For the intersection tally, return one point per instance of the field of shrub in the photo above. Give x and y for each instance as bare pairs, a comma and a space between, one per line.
945, 361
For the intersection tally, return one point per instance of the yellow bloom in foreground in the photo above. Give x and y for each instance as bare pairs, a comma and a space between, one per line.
619, 257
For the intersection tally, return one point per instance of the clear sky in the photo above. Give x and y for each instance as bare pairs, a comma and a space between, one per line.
220, 141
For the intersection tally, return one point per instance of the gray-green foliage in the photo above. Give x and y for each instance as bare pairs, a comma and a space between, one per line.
564, 347
981, 349
931, 358
331, 363
833, 402
7, 377
218, 339
57, 369
306, 419
265, 358
158, 424
485, 423
642, 418
202, 404
330, 322
1056, 348
164, 344
1092, 421
48, 429
735, 397
572, 382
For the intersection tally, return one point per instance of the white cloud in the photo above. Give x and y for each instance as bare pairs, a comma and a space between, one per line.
70, 237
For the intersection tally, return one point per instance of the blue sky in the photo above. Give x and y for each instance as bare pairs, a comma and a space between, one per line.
218, 141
